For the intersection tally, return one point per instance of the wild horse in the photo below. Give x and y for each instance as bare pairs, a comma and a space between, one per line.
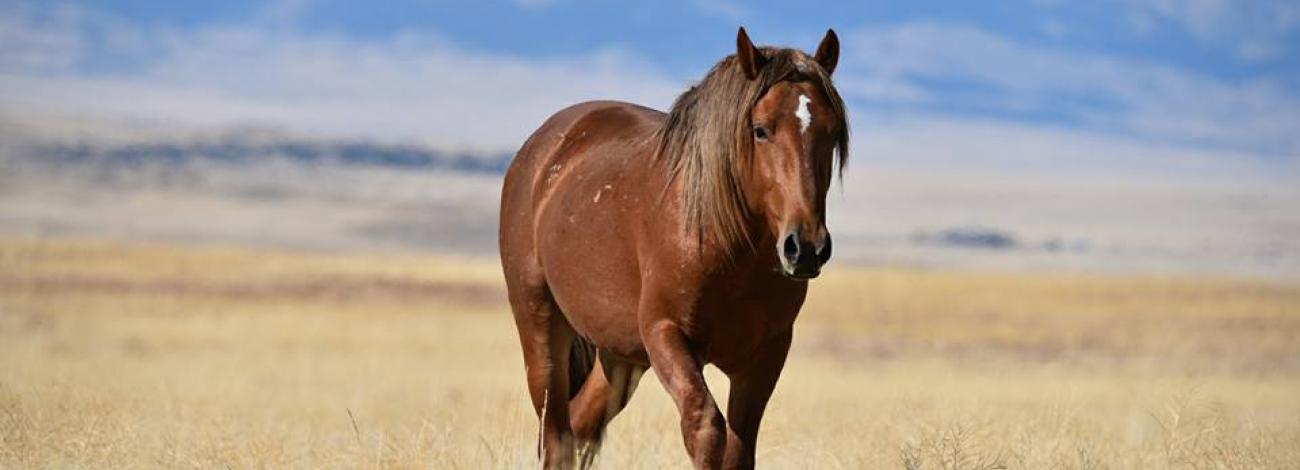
634, 239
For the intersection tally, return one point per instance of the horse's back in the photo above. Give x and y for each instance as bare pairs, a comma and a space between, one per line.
569, 127
552, 150
569, 208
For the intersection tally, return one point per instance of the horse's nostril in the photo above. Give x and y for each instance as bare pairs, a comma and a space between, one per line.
791, 247
824, 254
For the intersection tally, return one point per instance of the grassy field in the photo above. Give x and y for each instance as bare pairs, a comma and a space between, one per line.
154, 356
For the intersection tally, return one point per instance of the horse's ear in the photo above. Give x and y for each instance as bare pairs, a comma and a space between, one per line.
751, 59
828, 53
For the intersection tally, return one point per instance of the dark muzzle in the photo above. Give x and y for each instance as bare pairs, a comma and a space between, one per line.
802, 258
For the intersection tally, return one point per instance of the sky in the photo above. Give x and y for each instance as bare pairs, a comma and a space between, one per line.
1131, 82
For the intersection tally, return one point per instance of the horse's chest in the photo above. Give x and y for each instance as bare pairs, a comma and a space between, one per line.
748, 322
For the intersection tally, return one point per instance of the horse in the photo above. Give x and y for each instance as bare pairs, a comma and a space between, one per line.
634, 239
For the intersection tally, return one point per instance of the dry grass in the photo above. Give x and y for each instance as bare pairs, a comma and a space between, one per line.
149, 356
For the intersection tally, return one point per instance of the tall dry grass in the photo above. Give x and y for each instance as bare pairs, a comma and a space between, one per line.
153, 356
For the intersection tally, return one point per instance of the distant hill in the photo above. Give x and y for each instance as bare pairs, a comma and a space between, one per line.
244, 149
265, 187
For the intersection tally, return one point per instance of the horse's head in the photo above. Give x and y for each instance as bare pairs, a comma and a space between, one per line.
796, 126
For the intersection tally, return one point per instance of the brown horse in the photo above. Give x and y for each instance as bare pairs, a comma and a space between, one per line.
634, 239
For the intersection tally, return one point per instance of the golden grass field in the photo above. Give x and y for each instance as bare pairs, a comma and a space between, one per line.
131, 355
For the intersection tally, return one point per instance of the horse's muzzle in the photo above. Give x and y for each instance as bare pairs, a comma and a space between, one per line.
801, 258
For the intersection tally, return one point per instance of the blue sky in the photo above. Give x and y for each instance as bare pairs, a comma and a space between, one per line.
1215, 39
1203, 76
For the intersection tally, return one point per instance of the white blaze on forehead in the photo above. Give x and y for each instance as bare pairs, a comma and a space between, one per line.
805, 117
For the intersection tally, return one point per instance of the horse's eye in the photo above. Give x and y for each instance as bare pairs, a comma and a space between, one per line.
760, 132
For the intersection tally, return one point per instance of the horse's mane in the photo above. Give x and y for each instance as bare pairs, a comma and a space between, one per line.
705, 140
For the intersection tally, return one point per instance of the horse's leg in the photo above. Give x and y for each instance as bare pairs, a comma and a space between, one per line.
604, 394
546, 337
681, 372
750, 390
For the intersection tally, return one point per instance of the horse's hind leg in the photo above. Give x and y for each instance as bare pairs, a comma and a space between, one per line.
606, 392
546, 337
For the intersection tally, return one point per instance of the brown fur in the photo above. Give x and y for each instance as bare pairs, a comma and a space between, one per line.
621, 230
705, 140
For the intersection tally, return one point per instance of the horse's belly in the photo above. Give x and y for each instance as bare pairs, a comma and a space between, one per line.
606, 318
591, 269
601, 309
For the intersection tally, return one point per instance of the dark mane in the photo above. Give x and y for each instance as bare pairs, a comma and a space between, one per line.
705, 141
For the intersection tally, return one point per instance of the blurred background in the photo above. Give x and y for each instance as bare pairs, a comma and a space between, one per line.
1147, 136
246, 234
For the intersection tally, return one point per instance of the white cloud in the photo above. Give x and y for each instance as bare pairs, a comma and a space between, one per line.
283, 13
1254, 31
967, 146
1251, 31
1202, 17
1258, 51
35, 49
57, 38
408, 87
417, 87
898, 65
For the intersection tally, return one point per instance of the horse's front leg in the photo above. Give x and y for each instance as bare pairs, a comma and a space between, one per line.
681, 372
750, 389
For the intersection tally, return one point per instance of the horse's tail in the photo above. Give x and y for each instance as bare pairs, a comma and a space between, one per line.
582, 360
